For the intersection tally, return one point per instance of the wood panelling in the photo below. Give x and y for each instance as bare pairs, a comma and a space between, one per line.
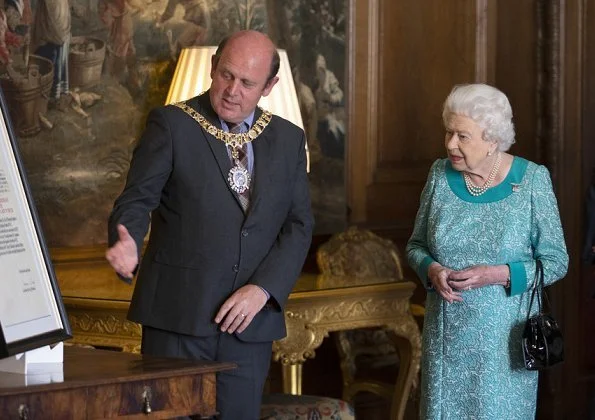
587, 289
362, 93
574, 163
425, 48
406, 56
515, 70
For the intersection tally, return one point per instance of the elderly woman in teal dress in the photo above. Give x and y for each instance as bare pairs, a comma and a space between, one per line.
485, 218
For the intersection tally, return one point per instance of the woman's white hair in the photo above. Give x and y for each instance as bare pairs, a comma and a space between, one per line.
485, 105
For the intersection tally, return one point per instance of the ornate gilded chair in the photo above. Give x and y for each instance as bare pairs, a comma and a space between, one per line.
369, 356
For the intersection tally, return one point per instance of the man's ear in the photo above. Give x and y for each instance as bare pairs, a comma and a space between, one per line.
269, 86
214, 60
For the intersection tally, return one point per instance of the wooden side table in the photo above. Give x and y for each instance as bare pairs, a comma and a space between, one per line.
99, 384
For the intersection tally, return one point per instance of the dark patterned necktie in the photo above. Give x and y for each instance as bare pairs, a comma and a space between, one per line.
242, 162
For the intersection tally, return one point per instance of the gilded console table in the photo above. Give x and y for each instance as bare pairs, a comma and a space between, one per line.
322, 304
318, 305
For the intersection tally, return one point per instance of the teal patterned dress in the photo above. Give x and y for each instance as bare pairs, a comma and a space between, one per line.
472, 363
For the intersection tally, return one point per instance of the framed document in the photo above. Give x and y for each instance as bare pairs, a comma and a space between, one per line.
32, 313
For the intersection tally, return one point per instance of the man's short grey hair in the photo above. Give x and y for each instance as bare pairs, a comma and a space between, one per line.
485, 105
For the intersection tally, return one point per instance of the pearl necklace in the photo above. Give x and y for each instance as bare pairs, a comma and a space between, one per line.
476, 191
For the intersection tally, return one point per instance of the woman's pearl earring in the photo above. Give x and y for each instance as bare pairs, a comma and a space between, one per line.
490, 153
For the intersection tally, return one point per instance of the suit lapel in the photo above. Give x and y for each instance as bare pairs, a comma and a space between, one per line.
202, 104
262, 147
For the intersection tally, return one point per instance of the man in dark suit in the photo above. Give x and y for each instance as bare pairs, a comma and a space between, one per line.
231, 223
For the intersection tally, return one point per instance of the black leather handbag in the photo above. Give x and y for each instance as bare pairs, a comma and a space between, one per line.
543, 345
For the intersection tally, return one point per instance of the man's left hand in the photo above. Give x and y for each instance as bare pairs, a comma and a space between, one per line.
239, 309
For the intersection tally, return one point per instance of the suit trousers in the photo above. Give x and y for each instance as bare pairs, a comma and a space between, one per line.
239, 391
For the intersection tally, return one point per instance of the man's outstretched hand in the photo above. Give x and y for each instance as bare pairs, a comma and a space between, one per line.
123, 256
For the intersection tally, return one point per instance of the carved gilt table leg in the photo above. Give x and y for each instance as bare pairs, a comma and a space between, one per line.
299, 345
408, 342
292, 378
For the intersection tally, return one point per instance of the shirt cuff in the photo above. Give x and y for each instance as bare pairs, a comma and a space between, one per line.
265, 292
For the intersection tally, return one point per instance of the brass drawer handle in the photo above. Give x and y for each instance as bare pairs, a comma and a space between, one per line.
146, 396
23, 412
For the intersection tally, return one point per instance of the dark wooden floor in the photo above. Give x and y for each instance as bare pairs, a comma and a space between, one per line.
371, 407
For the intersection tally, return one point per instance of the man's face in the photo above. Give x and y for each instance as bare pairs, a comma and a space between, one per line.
239, 79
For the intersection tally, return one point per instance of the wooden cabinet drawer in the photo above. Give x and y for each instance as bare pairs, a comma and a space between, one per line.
166, 398
149, 399
48, 406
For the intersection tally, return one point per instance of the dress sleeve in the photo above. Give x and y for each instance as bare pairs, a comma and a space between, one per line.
547, 238
418, 254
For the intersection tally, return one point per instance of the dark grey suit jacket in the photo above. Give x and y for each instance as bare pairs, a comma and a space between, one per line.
202, 247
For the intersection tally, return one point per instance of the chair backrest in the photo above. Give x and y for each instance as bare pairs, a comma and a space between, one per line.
359, 253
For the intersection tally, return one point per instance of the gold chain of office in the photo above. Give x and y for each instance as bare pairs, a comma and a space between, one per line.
233, 140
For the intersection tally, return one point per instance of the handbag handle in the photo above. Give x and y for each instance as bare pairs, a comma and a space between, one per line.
537, 288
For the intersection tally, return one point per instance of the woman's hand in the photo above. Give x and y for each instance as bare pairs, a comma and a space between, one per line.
439, 276
479, 276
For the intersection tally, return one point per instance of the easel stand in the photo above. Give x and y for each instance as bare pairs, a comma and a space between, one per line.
43, 360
